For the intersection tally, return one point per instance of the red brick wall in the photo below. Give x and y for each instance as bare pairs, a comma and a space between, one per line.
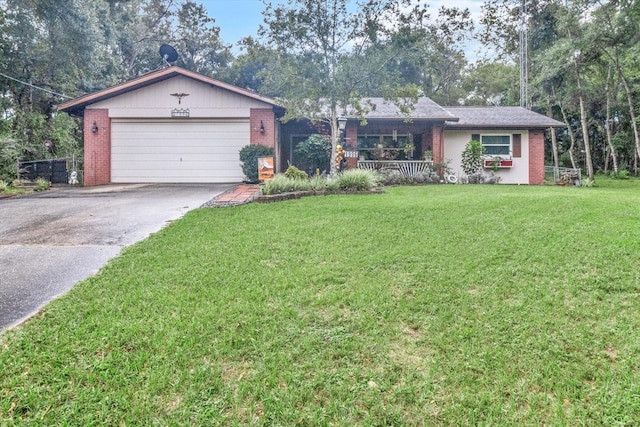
351, 142
266, 118
438, 144
536, 157
97, 147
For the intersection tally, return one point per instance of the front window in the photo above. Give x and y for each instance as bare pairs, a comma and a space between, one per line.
385, 147
497, 145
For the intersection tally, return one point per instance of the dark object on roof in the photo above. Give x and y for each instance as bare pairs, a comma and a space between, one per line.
168, 53
76, 106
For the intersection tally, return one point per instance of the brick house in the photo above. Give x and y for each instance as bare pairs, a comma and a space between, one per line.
174, 125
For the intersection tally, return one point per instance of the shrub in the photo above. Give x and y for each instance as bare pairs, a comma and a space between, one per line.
249, 155
391, 177
349, 180
293, 172
332, 185
9, 155
394, 177
480, 178
281, 184
472, 157
621, 174
42, 184
3, 186
358, 180
314, 153
318, 183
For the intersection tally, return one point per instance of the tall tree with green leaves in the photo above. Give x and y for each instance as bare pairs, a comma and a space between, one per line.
615, 32
491, 83
198, 40
247, 70
426, 48
320, 66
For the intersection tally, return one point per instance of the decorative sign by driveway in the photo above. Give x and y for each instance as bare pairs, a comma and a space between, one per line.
265, 168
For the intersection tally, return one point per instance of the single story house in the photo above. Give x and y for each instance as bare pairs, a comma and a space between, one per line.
176, 126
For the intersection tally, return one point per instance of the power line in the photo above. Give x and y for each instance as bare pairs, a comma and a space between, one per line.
36, 87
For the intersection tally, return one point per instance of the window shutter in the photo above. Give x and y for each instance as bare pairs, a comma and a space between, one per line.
517, 145
475, 137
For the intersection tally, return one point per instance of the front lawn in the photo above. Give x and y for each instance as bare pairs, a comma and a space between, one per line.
437, 305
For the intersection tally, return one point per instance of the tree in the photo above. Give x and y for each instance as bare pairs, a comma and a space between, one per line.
613, 24
313, 153
50, 47
491, 83
320, 67
248, 69
472, 157
198, 40
426, 51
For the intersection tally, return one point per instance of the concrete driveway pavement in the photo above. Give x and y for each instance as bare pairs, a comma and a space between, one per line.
51, 240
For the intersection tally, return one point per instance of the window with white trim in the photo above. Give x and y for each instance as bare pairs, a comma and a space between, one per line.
496, 145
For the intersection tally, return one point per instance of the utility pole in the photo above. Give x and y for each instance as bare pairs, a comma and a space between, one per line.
524, 56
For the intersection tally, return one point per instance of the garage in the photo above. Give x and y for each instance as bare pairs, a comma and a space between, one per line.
194, 151
172, 126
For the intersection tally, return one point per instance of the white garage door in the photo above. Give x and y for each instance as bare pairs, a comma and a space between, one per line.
177, 151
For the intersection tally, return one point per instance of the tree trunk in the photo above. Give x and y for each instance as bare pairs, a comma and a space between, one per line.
572, 137
632, 115
585, 123
554, 147
554, 142
607, 125
335, 138
585, 137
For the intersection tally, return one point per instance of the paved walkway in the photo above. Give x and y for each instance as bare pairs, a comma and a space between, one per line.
238, 195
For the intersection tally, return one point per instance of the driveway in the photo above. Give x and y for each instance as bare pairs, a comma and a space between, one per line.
51, 240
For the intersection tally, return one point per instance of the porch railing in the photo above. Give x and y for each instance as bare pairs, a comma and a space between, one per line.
405, 167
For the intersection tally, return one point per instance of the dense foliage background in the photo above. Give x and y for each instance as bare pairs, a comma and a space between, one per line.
583, 63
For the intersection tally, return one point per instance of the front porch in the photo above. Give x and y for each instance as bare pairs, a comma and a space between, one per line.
408, 148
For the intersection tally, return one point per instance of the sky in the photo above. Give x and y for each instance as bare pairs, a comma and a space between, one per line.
241, 18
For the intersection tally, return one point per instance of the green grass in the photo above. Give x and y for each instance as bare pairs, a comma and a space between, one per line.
437, 305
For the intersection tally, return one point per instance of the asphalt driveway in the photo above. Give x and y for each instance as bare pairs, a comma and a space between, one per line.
51, 240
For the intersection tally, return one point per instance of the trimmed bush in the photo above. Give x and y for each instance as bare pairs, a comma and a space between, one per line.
358, 180
281, 184
318, 183
249, 155
480, 178
394, 177
295, 173
349, 180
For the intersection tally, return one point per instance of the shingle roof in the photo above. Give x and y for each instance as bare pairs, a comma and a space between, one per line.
425, 108
76, 106
500, 117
